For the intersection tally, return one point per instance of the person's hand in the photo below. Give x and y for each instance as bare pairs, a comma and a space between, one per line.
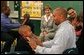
38, 41
45, 33
32, 43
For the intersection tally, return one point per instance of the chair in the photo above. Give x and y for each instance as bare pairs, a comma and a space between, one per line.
17, 52
2, 45
71, 51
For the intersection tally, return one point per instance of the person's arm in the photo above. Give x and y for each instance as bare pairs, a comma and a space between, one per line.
54, 27
42, 26
6, 23
47, 43
37, 40
23, 23
58, 46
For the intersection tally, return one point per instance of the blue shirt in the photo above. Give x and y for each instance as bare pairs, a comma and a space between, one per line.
6, 23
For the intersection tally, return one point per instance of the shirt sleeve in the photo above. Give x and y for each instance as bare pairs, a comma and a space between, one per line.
58, 46
42, 26
6, 23
48, 43
12, 26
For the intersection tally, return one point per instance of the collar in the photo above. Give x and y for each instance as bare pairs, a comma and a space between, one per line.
63, 23
47, 19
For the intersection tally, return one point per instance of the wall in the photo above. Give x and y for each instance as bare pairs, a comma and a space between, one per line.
77, 5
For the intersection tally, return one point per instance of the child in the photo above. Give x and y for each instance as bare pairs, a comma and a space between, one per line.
26, 33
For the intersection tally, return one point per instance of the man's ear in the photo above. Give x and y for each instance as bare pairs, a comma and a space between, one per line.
61, 16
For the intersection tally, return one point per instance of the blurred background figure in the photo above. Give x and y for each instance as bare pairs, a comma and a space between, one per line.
80, 40
48, 26
22, 45
6, 25
72, 15
26, 21
75, 21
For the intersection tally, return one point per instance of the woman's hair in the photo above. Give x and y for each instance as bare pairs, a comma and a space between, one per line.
81, 15
70, 8
47, 7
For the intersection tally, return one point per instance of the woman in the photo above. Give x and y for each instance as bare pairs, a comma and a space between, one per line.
48, 26
80, 40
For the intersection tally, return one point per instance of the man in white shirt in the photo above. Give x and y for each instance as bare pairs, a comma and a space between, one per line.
65, 37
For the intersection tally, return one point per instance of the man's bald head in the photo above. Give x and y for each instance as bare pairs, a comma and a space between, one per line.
60, 15
61, 11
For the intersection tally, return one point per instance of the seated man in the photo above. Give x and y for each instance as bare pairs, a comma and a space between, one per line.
64, 38
26, 34
6, 25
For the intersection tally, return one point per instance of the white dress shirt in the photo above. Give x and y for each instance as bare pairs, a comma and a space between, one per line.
47, 18
64, 38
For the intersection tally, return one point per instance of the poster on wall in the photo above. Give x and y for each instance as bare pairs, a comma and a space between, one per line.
34, 8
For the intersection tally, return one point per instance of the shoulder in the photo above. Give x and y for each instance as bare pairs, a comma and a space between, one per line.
2, 16
43, 17
51, 16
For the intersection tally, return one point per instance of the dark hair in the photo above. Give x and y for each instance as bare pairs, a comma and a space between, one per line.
27, 15
80, 17
4, 8
69, 8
